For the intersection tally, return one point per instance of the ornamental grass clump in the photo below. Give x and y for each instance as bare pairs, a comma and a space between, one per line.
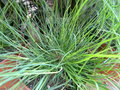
68, 45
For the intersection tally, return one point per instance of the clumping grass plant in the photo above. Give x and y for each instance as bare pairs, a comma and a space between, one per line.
60, 47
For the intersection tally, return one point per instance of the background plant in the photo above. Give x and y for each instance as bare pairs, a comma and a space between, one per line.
59, 46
